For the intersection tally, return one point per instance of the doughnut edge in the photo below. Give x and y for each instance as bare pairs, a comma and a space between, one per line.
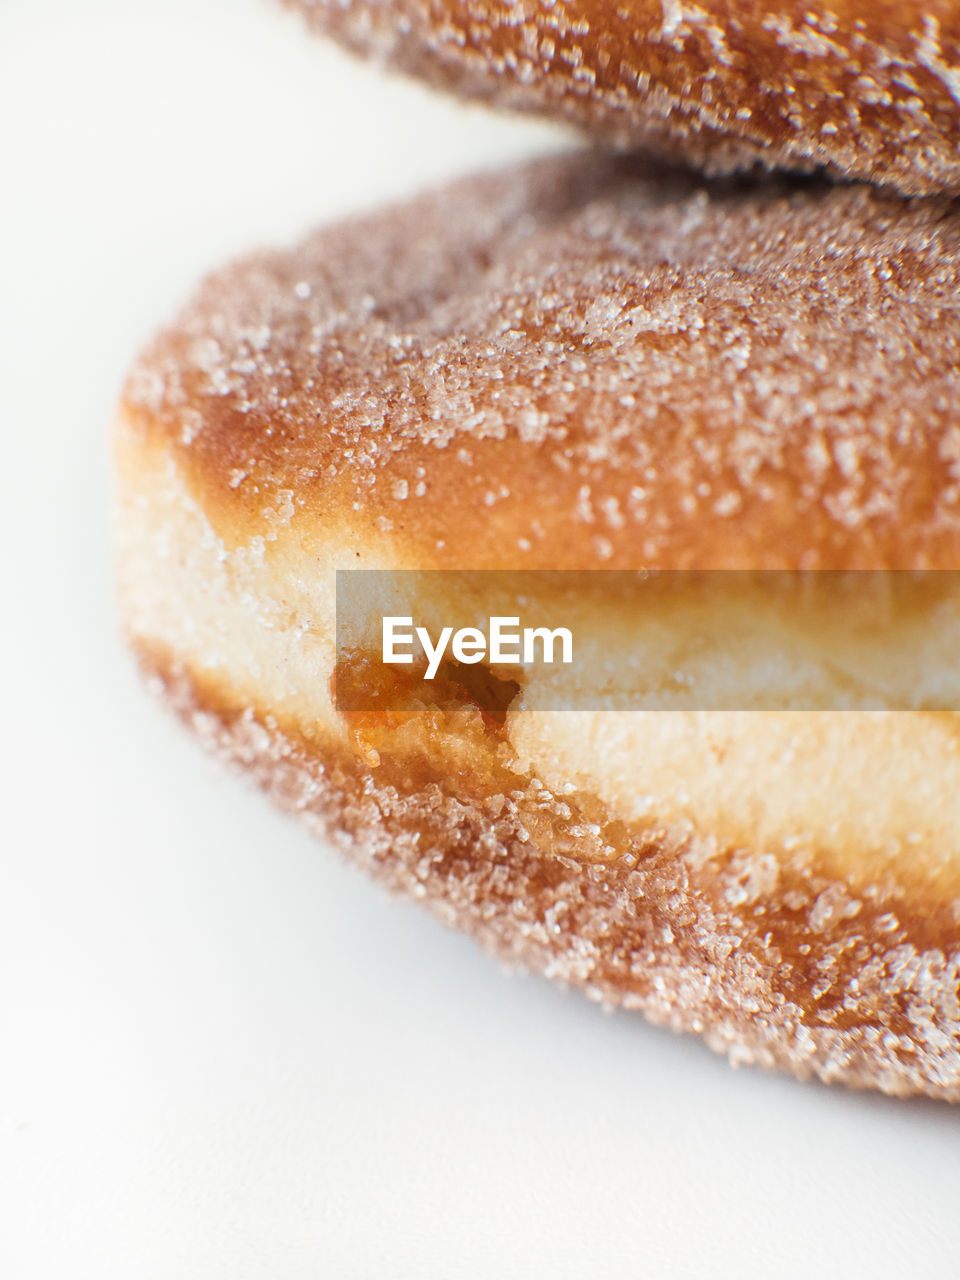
505, 893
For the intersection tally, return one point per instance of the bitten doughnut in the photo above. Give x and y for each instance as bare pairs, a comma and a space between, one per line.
868, 90
587, 363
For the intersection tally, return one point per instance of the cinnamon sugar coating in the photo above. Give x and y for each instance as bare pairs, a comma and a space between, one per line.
871, 90
589, 363
787, 971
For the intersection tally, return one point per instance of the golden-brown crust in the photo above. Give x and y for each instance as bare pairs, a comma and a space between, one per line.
867, 89
583, 364
789, 971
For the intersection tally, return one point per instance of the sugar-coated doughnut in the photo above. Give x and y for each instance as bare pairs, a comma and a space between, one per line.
867, 89
586, 364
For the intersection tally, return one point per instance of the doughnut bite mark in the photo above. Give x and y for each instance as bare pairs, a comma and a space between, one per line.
871, 90
585, 363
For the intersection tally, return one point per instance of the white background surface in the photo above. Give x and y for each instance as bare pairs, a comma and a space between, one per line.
224, 1054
